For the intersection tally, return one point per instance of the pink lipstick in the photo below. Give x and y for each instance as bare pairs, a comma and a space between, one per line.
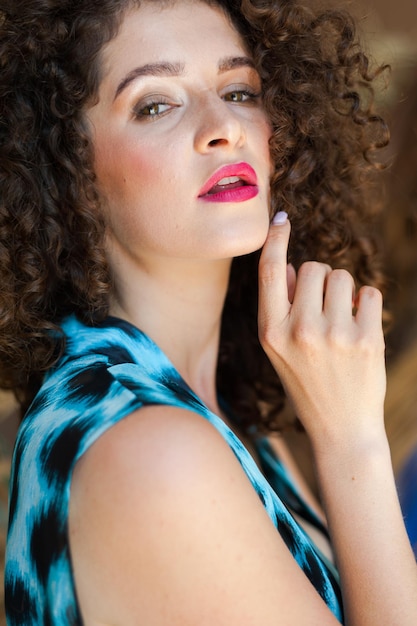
231, 183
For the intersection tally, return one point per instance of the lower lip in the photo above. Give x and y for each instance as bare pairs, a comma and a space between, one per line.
239, 194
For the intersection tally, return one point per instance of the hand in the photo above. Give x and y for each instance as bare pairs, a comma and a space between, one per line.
325, 342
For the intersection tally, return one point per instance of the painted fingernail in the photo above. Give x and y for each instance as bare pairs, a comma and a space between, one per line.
279, 218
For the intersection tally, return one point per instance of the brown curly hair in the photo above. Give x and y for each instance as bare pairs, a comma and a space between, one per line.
316, 88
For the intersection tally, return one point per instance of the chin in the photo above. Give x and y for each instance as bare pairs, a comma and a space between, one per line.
250, 240
242, 246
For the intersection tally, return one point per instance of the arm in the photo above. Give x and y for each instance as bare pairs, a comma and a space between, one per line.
332, 365
165, 529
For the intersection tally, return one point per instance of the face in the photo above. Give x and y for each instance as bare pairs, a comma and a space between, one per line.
180, 138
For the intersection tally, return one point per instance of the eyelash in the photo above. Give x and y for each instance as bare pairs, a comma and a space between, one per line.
139, 110
247, 96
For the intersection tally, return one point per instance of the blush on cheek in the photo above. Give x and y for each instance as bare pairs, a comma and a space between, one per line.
124, 171
140, 167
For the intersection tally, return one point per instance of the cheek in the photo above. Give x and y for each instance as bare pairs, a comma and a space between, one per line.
137, 185
127, 171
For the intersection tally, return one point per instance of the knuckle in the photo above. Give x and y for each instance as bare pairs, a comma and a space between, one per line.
340, 275
313, 268
268, 271
304, 336
339, 339
268, 334
372, 343
372, 293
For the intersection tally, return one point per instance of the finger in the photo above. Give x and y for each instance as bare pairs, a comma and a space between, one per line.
369, 310
273, 284
339, 297
309, 290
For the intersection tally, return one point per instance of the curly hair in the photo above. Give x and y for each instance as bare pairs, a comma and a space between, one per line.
317, 93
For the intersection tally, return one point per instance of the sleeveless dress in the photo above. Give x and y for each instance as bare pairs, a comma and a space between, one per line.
107, 372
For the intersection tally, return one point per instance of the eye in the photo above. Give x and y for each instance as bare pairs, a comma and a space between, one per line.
242, 96
152, 109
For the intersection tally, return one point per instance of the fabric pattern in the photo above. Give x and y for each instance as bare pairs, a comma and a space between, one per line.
106, 373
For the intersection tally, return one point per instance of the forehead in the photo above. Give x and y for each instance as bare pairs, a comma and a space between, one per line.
156, 30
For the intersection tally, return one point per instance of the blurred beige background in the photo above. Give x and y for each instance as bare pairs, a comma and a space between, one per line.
391, 32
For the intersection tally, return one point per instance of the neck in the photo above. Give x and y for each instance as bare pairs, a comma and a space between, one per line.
179, 305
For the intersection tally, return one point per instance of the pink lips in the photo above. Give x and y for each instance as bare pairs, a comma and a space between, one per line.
231, 183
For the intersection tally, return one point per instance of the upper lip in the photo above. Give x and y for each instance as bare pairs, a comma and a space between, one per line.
242, 170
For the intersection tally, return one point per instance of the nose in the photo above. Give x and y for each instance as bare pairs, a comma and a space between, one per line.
218, 125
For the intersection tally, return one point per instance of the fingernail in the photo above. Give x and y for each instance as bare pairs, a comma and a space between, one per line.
279, 218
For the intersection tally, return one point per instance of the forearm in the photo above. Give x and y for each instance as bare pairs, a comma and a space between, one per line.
376, 564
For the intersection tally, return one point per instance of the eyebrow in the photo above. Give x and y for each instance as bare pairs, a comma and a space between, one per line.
164, 68
150, 69
231, 63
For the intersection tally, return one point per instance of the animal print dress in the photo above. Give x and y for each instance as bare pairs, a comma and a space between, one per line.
106, 373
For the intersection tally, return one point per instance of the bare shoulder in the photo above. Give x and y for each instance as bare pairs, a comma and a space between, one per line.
164, 523
154, 446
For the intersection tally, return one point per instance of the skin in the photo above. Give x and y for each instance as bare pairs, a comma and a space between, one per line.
169, 250
159, 532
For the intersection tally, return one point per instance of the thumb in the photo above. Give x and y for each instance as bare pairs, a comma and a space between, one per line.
273, 278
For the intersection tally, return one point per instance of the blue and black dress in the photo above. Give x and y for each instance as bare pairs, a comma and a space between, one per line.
106, 373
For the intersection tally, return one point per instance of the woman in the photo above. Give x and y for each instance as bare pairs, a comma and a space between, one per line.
147, 145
